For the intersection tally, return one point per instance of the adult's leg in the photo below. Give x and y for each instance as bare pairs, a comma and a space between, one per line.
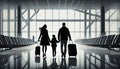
45, 49
65, 50
62, 47
53, 51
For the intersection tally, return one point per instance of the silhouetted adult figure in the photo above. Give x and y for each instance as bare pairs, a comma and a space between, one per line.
63, 36
44, 39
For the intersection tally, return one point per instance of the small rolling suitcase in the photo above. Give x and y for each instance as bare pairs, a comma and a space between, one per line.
72, 51
37, 50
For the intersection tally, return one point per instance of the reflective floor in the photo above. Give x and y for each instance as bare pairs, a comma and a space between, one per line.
87, 58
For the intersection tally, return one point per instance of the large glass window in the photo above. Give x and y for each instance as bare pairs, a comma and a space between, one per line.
54, 18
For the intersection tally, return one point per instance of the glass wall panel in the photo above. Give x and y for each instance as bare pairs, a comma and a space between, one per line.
12, 14
41, 14
5, 14
5, 28
49, 14
55, 14
70, 16
24, 14
12, 29
63, 14
113, 14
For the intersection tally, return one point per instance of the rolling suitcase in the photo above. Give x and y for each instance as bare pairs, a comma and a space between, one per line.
72, 51
37, 50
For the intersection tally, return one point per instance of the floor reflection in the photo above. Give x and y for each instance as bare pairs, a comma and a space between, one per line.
96, 59
87, 58
54, 64
72, 62
4, 61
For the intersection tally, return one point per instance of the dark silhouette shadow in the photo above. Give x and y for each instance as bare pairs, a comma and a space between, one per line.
44, 39
44, 64
37, 61
54, 45
63, 36
115, 60
63, 64
54, 64
100, 60
4, 61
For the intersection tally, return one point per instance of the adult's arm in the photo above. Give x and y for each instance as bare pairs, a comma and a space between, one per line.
39, 37
69, 35
59, 32
48, 36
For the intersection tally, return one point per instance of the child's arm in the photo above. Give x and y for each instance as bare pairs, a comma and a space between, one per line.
51, 41
57, 41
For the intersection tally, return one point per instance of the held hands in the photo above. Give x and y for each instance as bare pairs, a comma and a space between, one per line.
58, 40
38, 39
70, 39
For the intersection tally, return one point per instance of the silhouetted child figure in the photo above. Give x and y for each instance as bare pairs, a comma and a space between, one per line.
54, 45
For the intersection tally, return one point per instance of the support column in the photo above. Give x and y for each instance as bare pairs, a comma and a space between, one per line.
8, 21
95, 23
0, 22
102, 63
15, 21
28, 60
102, 21
85, 25
19, 61
85, 60
19, 22
89, 24
29, 23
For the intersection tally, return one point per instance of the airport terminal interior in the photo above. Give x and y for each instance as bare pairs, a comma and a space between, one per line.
94, 27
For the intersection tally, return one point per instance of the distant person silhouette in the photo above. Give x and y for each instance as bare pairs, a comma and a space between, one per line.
54, 45
63, 36
44, 39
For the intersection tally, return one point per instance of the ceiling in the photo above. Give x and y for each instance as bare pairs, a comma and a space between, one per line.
60, 4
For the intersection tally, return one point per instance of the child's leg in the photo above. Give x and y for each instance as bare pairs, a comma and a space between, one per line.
53, 51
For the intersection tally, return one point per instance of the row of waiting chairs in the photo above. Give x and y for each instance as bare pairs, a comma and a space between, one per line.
112, 41
12, 42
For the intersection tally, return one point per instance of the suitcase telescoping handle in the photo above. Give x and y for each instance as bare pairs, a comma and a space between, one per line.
70, 41
38, 43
